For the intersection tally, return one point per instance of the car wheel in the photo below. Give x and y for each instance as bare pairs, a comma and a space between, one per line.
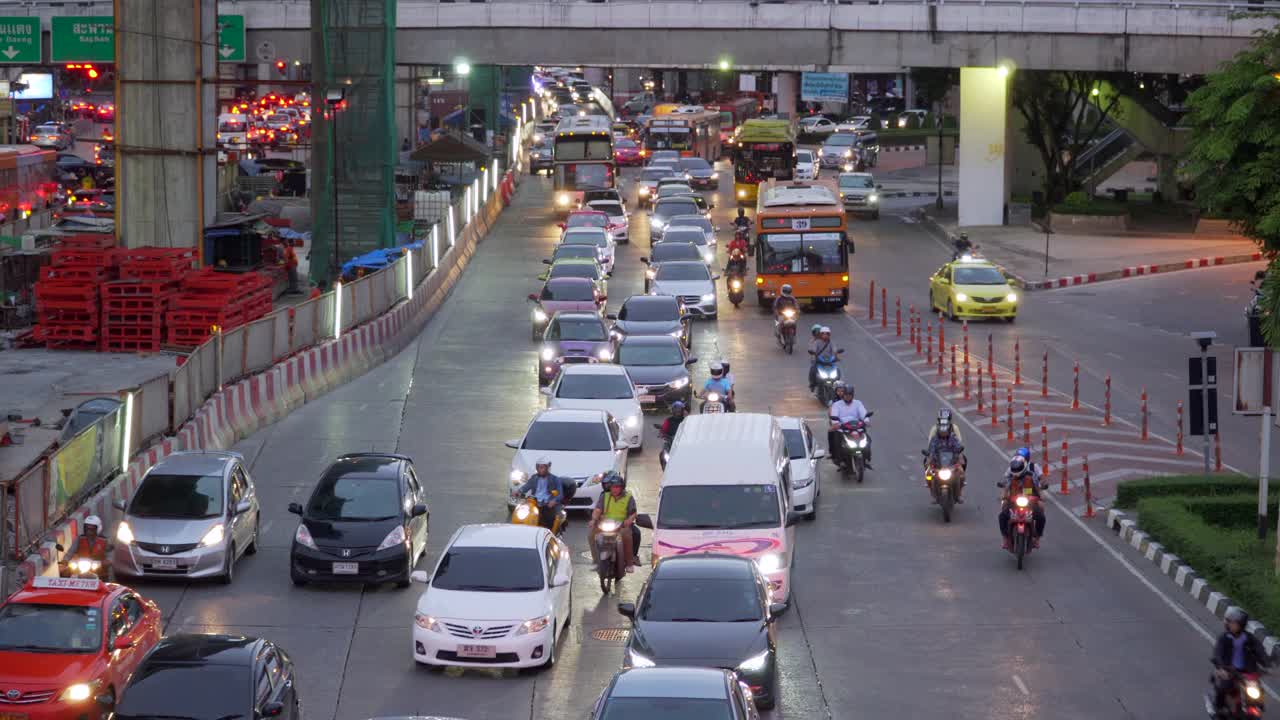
228, 573
408, 568
772, 701
253, 542
551, 653
951, 311
298, 580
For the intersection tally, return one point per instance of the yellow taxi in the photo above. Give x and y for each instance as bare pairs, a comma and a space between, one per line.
972, 287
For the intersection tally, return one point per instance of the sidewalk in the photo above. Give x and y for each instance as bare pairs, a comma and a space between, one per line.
1081, 259
921, 180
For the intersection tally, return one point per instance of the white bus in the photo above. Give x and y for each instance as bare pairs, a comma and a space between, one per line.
582, 156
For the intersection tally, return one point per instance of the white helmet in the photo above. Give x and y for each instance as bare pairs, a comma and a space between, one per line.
717, 369
542, 460
93, 520
825, 330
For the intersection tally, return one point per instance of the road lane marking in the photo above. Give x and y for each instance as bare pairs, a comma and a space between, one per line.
1021, 685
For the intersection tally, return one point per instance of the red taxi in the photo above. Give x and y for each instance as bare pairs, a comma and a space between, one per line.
69, 645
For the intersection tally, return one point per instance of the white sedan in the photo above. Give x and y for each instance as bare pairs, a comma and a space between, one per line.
597, 386
593, 236
806, 165
582, 445
489, 603
806, 471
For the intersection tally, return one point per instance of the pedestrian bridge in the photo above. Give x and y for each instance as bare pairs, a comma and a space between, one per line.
1115, 35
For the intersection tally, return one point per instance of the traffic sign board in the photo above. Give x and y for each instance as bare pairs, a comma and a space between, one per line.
231, 40
87, 38
20, 40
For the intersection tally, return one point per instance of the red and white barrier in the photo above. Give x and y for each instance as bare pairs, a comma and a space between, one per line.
1134, 271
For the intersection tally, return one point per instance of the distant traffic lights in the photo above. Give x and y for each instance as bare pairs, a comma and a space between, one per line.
282, 67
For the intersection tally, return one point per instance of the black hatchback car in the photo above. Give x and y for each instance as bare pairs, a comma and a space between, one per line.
366, 522
707, 611
652, 315
208, 677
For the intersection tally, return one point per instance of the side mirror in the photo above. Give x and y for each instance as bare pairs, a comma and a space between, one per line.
716, 276
546, 261
533, 297
924, 453
105, 700
560, 225
545, 391
118, 504
691, 362
513, 444
873, 412
121, 643
643, 520
626, 445
243, 507
644, 260
776, 609
419, 576
611, 316
627, 609
419, 509
272, 709
819, 454
295, 508
59, 547
793, 518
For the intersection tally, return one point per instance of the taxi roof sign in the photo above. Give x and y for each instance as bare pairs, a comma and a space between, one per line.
57, 583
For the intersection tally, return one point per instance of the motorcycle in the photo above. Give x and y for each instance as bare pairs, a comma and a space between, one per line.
1253, 312
610, 565
944, 477
527, 512
784, 329
1245, 699
853, 459
828, 374
81, 566
712, 403
666, 446
1022, 527
735, 277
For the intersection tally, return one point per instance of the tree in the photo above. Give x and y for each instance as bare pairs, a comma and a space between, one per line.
932, 85
1064, 111
1234, 155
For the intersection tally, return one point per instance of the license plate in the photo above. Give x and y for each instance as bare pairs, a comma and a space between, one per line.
345, 568
647, 399
713, 408
477, 651
13, 716
162, 563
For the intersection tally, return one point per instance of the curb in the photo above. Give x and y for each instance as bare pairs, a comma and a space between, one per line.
917, 193
238, 410
1185, 577
931, 224
901, 148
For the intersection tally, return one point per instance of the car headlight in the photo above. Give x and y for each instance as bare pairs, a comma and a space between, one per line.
651, 273
78, 692
848, 153
644, 190
548, 353
124, 533
708, 256
1011, 297
769, 563
303, 537
562, 199
755, 663
638, 660
213, 537
608, 526
873, 198
679, 383
802, 482
537, 137
426, 622
944, 474
604, 355
537, 624
656, 224
393, 538
961, 297
708, 297
518, 477
1022, 501
676, 333
742, 193
715, 176
539, 315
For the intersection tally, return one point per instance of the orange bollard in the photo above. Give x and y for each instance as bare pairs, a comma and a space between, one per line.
995, 406
966, 341
1017, 362
1178, 449
911, 325
919, 335
1044, 376
1075, 388
871, 302
953, 365
1106, 405
991, 357
1144, 413
928, 345
966, 383
940, 356
1026, 425
1008, 409
1065, 489
897, 315
1088, 490
980, 394
884, 308
1044, 445
1217, 452
942, 333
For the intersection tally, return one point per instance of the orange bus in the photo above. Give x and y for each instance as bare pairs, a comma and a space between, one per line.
802, 240
733, 114
692, 130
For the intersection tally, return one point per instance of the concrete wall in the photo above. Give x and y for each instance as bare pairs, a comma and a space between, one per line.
984, 105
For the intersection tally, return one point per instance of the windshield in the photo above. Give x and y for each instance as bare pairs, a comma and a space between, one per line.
587, 220
349, 497
649, 355
50, 628
695, 164
178, 496
567, 437
596, 239
802, 252
581, 329
668, 139
231, 127
795, 444
674, 189
198, 691
979, 276
842, 140
804, 156
571, 148
671, 208
685, 235
624, 143
634, 708
568, 292
701, 600
278, 118
567, 250
654, 173
946, 458
698, 221
591, 271
682, 271
48, 130
489, 569
724, 507
666, 251
610, 209
595, 387
856, 182
650, 311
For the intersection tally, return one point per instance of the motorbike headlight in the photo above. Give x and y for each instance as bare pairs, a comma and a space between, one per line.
522, 512
608, 526
1253, 691
638, 660
961, 297
539, 315
820, 152
651, 273
862, 443
213, 537
604, 354
563, 199
742, 193
426, 622
78, 692
644, 189
848, 153
537, 624
1022, 501
755, 663
679, 383
873, 198
83, 565
827, 374
713, 397
124, 533
789, 314
632, 422
518, 477
548, 353
944, 474
769, 563
393, 538
1011, 297
708, 297
736, 284
303, 536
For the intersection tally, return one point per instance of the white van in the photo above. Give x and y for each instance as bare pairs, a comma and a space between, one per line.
726, 491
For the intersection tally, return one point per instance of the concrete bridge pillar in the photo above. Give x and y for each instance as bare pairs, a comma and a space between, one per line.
786, 87
984, 127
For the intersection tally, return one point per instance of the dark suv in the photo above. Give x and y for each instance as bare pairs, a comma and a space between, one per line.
366, 522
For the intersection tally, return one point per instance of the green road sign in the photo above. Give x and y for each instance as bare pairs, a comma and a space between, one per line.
20, 40
88, 38
231, 40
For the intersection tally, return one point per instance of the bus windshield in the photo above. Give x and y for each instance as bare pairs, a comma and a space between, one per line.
760, 162
570, 149
668, 139
784, 253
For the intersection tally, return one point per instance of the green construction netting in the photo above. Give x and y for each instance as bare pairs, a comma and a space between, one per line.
352, 50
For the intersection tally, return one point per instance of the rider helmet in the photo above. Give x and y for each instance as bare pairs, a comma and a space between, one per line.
717, 370
1236, 615
825, 330
844, 388
93, 521
944, 423
677, 406
816, 329
542, 461
786, 290
1017, 465
742, 212
612, 478
1024, 453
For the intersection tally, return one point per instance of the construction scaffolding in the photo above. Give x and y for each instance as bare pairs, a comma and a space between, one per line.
353, 133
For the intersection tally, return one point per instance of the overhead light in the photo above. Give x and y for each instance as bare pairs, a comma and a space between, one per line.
435, 80
462, 67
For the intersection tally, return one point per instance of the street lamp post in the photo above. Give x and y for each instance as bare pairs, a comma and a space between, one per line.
939, 123
333, 99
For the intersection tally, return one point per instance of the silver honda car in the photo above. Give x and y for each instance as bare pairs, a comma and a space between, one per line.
193, 516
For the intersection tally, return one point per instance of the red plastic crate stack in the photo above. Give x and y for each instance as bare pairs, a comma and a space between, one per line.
67, 308
134, 307
210, 298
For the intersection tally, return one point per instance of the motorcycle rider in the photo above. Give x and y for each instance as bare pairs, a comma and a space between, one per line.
963, 246
545, 488
617, 503
738, 247
846, 409
90, 544
1021, 479
719, 383
785, 300
742, 221
669, 426
945, 437
822, 352
1236, 651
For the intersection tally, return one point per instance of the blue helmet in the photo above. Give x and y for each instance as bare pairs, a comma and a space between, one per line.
1024, 453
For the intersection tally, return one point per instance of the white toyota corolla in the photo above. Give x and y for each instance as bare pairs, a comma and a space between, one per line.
598, 386
499, 597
